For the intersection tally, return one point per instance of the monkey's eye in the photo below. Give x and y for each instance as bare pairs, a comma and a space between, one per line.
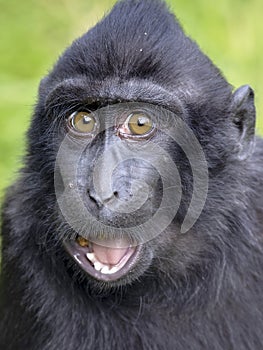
139, 124
82, 122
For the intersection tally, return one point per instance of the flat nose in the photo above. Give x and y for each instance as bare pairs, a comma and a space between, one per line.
102, 198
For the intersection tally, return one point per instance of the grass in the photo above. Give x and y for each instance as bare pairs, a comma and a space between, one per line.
34, 33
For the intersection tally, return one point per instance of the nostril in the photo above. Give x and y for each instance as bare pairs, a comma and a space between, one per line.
101, 198
92, 197
116, 194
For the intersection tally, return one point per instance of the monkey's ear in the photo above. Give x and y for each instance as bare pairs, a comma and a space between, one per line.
244, 116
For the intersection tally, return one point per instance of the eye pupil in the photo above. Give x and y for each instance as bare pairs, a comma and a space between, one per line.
142, 121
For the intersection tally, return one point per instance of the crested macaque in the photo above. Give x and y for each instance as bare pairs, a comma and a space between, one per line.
136, 220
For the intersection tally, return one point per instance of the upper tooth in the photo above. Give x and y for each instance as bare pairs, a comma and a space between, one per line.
83, 242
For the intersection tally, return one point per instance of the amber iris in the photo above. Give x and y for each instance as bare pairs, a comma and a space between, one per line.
83, 122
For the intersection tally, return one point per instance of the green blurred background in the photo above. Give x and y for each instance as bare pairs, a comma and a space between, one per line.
35, 32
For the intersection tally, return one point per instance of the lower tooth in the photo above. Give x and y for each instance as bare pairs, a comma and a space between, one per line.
105, 270
91, 257
98, 266
108, 271
114, 269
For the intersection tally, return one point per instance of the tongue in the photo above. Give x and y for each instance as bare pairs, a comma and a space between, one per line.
111, 253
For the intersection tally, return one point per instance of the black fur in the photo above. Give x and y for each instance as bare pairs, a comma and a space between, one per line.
199, 290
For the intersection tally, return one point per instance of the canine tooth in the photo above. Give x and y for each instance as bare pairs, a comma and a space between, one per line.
83, 242
98, 266
91, 257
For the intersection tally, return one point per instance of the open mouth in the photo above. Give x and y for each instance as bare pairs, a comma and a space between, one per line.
105, 260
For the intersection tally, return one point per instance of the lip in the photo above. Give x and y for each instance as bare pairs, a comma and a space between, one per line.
79, 255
